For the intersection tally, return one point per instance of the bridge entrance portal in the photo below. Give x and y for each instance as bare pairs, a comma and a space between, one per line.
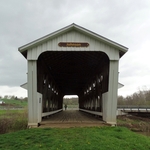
72, 73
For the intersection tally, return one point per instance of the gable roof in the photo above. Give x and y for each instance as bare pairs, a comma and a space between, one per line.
122, 49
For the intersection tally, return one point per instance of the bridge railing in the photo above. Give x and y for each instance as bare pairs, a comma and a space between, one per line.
51, 112
133, 108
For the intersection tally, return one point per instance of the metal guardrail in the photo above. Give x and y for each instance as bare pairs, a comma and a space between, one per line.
134, 108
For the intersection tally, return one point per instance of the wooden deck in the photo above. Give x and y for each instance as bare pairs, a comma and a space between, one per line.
71, 118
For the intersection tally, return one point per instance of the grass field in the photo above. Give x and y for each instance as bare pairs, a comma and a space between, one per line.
8, 112
19, 103
94, 138
12, 120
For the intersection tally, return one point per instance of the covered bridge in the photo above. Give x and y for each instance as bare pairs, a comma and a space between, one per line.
72, 61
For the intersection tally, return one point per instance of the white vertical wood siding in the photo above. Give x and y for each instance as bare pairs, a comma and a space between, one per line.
72, 36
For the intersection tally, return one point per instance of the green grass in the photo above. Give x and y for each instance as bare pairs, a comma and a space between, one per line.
94, 138
19, 103
7, 112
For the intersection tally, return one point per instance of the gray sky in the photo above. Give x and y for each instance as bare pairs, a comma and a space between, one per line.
126, 22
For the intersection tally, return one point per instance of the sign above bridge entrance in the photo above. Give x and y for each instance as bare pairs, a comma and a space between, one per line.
73, 44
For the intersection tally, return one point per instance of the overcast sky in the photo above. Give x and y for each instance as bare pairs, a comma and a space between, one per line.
125, 22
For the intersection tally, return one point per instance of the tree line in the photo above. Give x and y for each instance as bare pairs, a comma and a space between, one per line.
142, 97
13, 97
70, 101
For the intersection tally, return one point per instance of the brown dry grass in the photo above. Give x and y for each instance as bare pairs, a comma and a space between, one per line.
135, 123
13, 121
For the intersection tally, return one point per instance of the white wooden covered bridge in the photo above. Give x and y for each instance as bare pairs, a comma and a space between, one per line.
72, 61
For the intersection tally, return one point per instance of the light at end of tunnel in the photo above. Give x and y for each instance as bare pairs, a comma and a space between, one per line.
71, 96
